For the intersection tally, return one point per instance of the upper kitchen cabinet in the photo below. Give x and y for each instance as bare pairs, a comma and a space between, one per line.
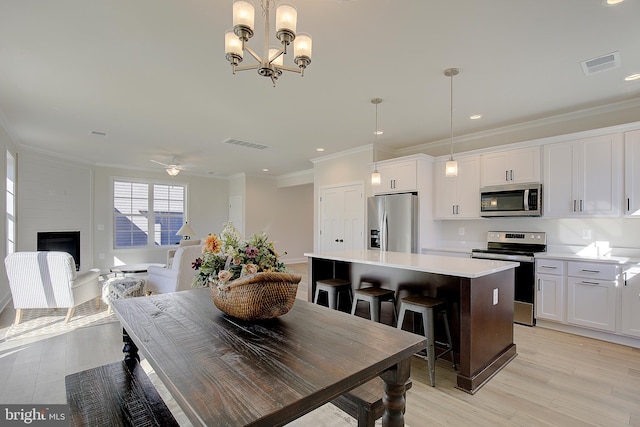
632, 173
458, 197
511, 166
583, 177
399, 175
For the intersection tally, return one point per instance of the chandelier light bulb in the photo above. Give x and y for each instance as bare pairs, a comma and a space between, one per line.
286, 20
243, 19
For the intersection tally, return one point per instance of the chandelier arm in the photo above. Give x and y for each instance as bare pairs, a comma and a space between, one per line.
252, 53
276, 56
287, 68
247, 67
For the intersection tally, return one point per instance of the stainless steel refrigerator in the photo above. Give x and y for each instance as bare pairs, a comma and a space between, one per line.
393, 222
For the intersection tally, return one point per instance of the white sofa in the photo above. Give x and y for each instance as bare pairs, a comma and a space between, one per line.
49, 280
179, 276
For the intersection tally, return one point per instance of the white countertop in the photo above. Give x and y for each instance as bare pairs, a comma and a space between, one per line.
450, 266
588, 258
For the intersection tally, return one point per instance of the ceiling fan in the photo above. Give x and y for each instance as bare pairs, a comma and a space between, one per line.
172, 169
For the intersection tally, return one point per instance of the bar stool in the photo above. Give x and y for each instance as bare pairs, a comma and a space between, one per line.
333, 288
426, 306
375, 297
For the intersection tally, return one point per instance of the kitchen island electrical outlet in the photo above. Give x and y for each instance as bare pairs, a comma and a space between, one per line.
495, 296
461, 231
586, 234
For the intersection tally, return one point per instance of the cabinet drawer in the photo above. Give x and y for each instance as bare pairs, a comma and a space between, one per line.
550, 266
593, 270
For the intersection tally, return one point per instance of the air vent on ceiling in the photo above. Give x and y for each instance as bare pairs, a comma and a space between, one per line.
601, 63
245, 144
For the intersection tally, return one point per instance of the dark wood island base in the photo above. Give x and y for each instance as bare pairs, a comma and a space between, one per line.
481, 301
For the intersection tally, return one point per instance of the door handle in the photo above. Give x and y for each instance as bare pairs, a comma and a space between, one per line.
511, 174
457, 209
574, 205
581, 205
506, 175
453, 209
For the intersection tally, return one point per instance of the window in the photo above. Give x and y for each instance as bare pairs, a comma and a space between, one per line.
11, 203
147, 214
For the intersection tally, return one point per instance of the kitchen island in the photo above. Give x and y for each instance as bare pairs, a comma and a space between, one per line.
479, 294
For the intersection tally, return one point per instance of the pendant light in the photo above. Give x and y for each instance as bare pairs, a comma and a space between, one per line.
451, 167
375, 176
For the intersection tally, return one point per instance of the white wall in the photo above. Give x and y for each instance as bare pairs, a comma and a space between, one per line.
5, 145
286, 214
54, 195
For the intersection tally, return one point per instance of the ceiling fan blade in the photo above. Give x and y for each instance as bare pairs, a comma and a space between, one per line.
160, 163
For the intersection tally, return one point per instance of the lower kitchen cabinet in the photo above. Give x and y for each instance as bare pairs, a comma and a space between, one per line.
630, 310
592, 303
550, 297
550, 290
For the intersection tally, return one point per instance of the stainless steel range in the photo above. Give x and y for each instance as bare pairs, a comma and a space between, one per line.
520, 247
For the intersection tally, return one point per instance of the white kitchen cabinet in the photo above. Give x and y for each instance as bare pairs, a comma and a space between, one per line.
591, 291
550, 290
632, 173
458, 197
630, 309
583, 177
511, 166
397, 177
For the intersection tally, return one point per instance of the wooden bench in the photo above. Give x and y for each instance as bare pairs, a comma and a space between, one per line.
119, 394
364, 403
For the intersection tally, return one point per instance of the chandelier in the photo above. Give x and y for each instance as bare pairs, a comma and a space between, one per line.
271, 63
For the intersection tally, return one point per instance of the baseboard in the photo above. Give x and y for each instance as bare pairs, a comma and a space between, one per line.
589, 333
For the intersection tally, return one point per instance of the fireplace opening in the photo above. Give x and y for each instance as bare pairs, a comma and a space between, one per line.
61, 241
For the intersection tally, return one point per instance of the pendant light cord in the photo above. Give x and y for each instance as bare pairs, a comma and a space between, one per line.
451, 116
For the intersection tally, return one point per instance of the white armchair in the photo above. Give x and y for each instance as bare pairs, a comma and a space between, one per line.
172, 252
177, 277
49, 280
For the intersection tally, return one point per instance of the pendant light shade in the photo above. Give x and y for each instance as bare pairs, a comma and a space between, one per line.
451, 167
376, 179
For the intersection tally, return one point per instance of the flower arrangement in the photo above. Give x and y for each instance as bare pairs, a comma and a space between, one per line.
227, 257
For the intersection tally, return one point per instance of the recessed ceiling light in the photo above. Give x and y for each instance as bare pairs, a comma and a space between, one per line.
475, 116
319, 149
632, 77
378, 132
265, 170
611, 2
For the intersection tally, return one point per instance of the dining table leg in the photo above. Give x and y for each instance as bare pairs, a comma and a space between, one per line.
129, 348
394, 393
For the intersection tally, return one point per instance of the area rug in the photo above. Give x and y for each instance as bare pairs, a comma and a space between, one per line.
50, 321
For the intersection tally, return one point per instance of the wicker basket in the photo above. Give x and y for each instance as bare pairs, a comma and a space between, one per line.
257, 296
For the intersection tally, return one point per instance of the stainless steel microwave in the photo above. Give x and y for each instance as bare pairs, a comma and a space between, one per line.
511, 200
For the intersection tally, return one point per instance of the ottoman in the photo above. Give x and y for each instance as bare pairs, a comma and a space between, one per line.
121, 287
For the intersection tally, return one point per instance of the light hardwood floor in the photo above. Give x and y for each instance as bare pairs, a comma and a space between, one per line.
557, 379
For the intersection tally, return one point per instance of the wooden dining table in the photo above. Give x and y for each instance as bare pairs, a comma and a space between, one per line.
223, 371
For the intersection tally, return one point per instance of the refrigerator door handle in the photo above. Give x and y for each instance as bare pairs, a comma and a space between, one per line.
384, 232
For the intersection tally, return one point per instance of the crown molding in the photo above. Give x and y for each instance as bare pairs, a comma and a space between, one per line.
559, 118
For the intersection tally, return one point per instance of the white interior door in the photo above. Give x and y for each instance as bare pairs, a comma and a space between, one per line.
342, 218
